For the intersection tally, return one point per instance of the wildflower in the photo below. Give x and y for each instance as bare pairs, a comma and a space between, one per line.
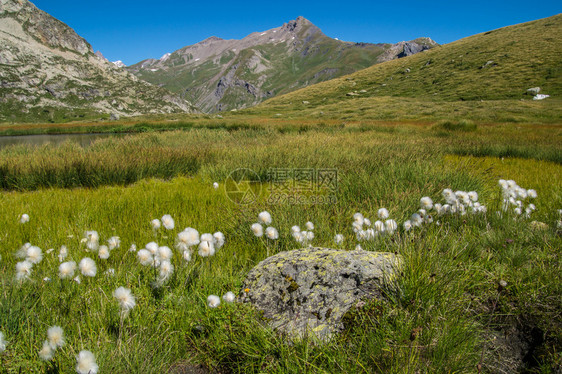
503, 184
265, 218
309, 235
113, 242
295, 229
309, 225
63, 253
358, 247
55, 335
125, 298
155, 223
86, 363
215, 185
428, 219
357, 226
271, 233
46, 279
77, 279
88, 267
34, 255
517, 211
338, 239
532, 207
145, 257
229, 297
407, 225
390, 225
257, 229
383, 213
22, 252
166, 270
3, 342
371, 234
66, 269
23, 270
426, 203
213, 301
438, 208
24, 218
449, 196
532, 194
191, 236
379, 226
152, 247
164, 253
367, 222
422, 213
358, 217
186, 256
168, 222
92, 240
133, 248
46, 353
207, 238
219, 239
50, 250
416, 219
206, 249
299, 236
110, 272
361, 235
473, 195
103, 252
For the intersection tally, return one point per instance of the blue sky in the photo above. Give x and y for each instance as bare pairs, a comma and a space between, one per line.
134, 30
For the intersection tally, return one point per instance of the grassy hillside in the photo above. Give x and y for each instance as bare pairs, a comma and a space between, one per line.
498, 65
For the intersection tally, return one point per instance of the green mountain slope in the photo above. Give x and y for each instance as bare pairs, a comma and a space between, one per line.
498, 66
218, 74
49, 73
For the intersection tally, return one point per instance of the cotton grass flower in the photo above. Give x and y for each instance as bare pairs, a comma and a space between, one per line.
3, 342
166, 271
219, 239
309, 225
407, 225
92, 240
206, 249
257, 229
113, 242
34, 254
379, 226
88, 267
23, 270
390, 226
152, 247
66, 270
22, 252
383, 213
103, 252
229, 297
155, 223
168, 222
187, 255
338, 239
125, 298
47, 352
272, 233
164, 253
426, 203
86, 363
265, 218
295, 229
215, 185
63, 252
55, 336
145, 257
532, 194
213, 301
24, 218
133, 248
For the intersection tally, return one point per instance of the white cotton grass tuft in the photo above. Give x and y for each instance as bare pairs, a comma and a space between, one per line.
34, 254
22, 252
66, 270
219, 239
55, 336
145, 257
155, 223
206, 249
92, 240
265, 218
390, 226
338, 239
295, 229
23, 270
3, 342
152, 247
257, 229
426, 203
103, 252
407, 225
168, 222
47, 352
24, 218
88, 267
133, 248
379, 226
125, 298
187, 256
63, 253
166, 271
213, 301
383, 213
309, 225
86, 363
229, 297
272, 233
164, 253
215, 185
187, 238
113, 242
206, 237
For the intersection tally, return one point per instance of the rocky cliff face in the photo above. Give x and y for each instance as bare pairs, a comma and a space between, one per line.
48, 72
218, 74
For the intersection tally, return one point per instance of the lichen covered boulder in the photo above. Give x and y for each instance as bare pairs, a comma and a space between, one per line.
307, 291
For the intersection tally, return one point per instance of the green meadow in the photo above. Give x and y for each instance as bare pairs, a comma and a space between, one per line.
450, 311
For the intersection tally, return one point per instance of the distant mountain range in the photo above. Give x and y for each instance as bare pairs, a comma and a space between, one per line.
49, 73
217, 74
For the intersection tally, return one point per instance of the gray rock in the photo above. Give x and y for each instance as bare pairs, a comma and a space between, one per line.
308, 291
488, 64
305, 102
534, 91
352, 94
114, 117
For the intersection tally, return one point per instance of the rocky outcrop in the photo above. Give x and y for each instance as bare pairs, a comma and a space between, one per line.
48, 72
218, 74
308, 291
